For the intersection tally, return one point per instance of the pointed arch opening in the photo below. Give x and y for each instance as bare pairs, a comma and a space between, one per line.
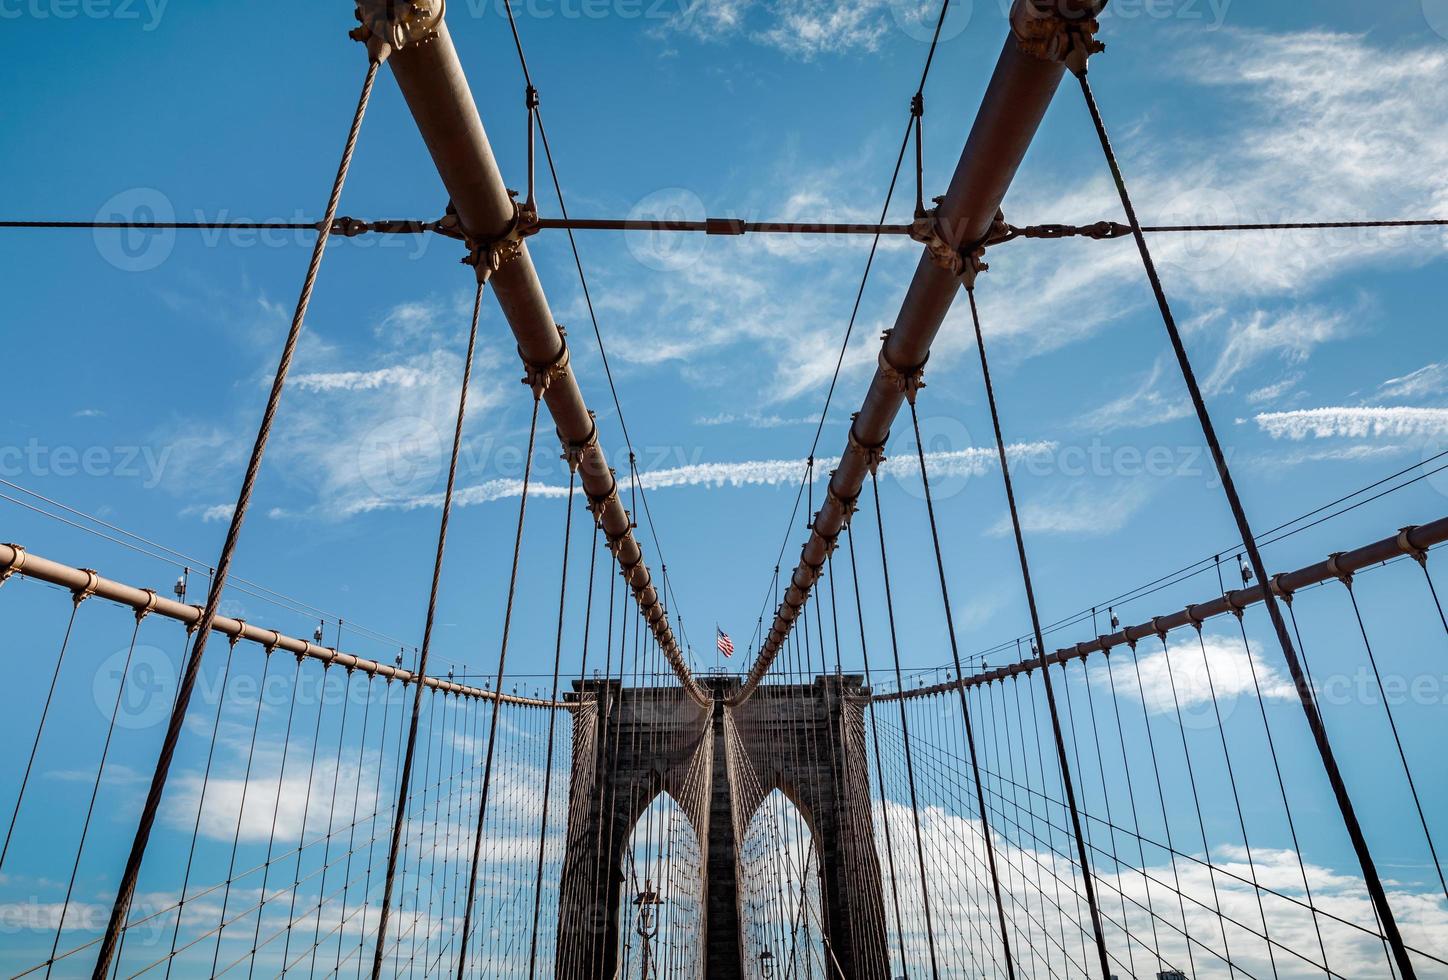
661, 903
783, 925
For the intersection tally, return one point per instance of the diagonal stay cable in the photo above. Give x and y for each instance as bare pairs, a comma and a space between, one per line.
400, 814
1373, 881
187, 684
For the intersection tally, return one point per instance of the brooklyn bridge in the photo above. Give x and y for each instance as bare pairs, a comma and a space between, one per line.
1147, 788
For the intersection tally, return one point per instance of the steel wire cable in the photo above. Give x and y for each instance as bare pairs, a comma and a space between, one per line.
1249, 541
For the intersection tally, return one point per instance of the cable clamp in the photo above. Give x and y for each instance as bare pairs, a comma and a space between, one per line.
573, 451
83, 593
17, 563
1194, 619
873, 455
1407, 547
1280, 589
143, 611
599, 504
270, 646
235, 638
1157, 628
1334, 565
1237, 610
909, 380
541, 376
389, 25
965, 261
1062, 31
847, 507
487, 256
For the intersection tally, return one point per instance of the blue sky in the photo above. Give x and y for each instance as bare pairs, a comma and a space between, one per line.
137, 369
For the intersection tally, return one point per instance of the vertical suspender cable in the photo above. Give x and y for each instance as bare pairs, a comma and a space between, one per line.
552, 721
404, 783
1066, 780
1254, 555
152, 806
493, 721
964, 707
904, 727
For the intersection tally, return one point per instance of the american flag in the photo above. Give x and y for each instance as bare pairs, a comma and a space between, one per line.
725, 645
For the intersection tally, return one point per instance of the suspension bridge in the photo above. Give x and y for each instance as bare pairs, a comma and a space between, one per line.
1101, 798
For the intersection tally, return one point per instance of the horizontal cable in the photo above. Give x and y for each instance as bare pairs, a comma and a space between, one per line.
1105, 230
1411, 541
15, 560
345, 227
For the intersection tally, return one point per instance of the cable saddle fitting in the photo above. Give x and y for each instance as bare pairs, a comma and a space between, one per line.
540, 377
908, 381
1062, 31
390, 25
964, 262
490, 255
873, 455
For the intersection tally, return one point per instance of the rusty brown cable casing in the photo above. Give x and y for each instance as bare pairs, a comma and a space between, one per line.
1024, 82
437, 93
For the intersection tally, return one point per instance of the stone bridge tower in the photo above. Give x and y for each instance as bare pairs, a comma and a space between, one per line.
719, 763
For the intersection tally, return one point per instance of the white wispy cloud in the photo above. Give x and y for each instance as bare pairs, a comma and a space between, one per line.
1355, 423
1430, 379
971, 461
1271, 392
800, 28
1148, 404
756, 420
1292, 137
397, 376
1292, 336
209, 513
1189, 673
347, 434
1080, 508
